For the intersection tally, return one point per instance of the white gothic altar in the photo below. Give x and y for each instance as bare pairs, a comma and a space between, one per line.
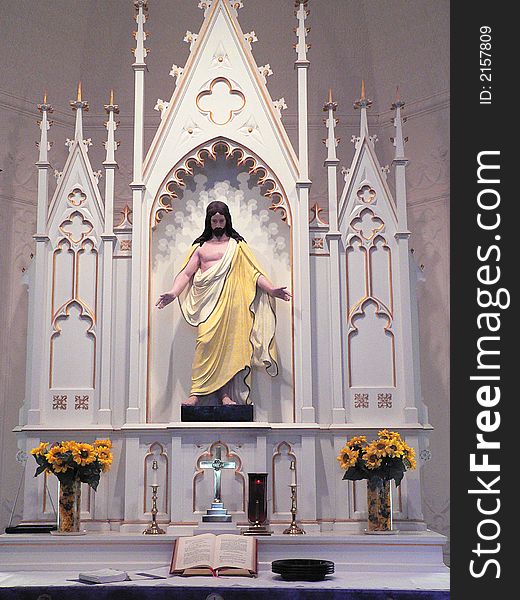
104, 362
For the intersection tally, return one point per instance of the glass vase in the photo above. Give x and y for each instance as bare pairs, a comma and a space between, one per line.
69, 513
379, 504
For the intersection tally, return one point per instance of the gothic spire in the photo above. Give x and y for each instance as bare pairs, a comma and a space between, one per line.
363, 103
332, 141
140, 52
44, 145
111, 125
399, 141
79, 105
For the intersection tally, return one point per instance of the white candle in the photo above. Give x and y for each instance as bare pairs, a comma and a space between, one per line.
293, 473
155, 468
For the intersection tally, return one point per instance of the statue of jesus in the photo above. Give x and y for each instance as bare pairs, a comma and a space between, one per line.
224, 292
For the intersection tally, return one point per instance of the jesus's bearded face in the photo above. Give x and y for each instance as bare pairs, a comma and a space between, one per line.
218, 225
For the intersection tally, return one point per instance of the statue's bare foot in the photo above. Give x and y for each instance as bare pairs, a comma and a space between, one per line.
191, 401
226, 400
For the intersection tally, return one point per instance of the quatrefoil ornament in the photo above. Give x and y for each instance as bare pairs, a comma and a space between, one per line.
366, 194
76, 197
76, 228
366, 224
220, 102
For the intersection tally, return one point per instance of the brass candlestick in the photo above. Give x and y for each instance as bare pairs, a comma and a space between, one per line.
154, 528
293, 528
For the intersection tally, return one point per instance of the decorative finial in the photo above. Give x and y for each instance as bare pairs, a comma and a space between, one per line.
44, 106
79, 106
301, 31
79, 103
363, 102
331, 141
111, 125
111, 107
126, 220
140, 52
141, 4
398, 102
399, 140
235, 5
330, 104
44, 145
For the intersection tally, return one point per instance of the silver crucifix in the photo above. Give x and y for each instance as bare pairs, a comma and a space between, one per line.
217, 512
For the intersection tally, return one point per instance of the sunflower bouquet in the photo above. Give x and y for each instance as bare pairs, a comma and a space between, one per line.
388, 457
74, 460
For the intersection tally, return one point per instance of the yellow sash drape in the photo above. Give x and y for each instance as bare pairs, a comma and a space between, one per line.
235, 320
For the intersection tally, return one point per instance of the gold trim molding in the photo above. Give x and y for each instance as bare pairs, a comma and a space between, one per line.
174, 181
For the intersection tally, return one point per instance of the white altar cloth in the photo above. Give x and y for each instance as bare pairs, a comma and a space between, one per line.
339, 580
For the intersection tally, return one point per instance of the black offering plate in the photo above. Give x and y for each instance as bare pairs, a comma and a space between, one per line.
302, 569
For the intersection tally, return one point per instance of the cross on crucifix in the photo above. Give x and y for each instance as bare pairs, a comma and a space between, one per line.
217, 464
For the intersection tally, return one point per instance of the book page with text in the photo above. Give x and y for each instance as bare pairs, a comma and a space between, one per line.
195, 551
235, 551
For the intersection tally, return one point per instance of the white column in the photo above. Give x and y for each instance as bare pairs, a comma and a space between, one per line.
333, 241
39, 382
109, 241
305, 411
133, 480
135, 412
307, 506
402, 235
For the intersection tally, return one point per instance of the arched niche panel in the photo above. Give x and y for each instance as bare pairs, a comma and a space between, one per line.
87, 275
233, 481
371, 348
261, 215
156, 454
63, 259
283, 455
73, 349
357, 276
381, 272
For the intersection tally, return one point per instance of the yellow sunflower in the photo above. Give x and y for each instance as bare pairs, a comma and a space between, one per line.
357, 440
347, 457
410, 462
381, 447
395, 449
391, 435
106, 443
83, 454
371, 458
60, 467
69, 446
409, 457
41, 449
104, 457
57, 458
55, 455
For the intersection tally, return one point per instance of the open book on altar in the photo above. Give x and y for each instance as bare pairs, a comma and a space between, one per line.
209, 554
